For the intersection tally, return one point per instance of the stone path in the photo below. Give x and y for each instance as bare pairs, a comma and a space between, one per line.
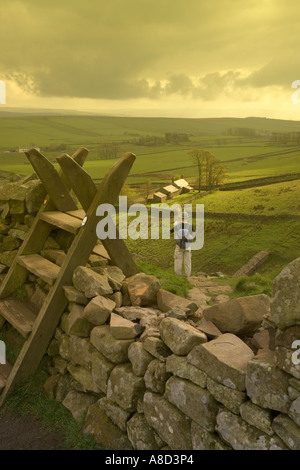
206, 290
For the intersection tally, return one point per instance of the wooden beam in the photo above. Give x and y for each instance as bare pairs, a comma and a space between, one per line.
34, 240
53, 183
80, 155
62, 220
79, 180
85, 189
18, 315
55, 303
40, 267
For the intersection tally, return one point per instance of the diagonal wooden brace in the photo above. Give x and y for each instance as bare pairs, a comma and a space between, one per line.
108, 191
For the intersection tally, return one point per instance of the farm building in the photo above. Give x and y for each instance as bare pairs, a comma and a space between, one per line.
171, 191
183, 185
25, 149
159, 197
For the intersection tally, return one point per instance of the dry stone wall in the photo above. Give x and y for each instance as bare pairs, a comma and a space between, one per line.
19, 202
142, 368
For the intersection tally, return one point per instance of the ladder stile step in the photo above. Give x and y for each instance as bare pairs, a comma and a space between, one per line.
40, 266
18, 314
66, 216
79, 214
62, 220
56, 256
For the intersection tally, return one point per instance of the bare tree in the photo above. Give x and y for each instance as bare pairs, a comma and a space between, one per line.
211, 172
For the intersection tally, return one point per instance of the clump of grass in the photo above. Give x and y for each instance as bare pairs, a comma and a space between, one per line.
13, 341
253, 285
30, 399
20, 293
178, 285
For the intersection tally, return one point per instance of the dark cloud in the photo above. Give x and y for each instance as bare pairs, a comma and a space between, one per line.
148, 49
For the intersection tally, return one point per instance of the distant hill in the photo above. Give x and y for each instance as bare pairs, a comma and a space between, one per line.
6, 111
43, 127
157, 125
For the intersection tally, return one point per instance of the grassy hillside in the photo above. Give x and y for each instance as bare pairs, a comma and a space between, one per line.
275, 199
229, 242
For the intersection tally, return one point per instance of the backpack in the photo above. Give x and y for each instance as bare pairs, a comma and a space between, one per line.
183, 242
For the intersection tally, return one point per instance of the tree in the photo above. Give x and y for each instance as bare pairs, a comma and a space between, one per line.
108, 151
211, 172
147, 189
198, 156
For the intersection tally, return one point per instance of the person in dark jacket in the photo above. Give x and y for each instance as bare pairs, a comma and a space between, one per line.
183, 234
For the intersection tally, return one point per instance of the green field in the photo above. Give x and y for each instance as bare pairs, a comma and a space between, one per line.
244, 157
268, 214
274, 199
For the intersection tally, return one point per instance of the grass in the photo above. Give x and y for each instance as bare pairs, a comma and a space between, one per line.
253, 285
248, 285
229, 244
178, 285
274, 199
245, 158
30, 399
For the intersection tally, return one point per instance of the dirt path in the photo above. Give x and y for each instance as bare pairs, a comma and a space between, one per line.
27, 433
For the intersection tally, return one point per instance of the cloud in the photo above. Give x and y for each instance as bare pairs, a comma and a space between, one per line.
148, 49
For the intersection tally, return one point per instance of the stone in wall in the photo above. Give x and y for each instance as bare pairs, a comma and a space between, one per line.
285, 338
115, 350
239, 316
114, 275
156, 376
179, 336
284, 360
260, 418
224, 359
77, 350
180, 367
166, 301
104, 430
204, 440
90, 283
172, 426
7, 257
294, 411
141, 435
242, 436
60, 364
84, 377
124, 387
118, 416
121, 328
137, 313
195, 402
232, 399
157, 348
50, 385
98, 310
142, 289
208, 328
66, 384
139, 358
74, 295
74, 323
285, 308
101, 370
288, 431
267, 386
78, 403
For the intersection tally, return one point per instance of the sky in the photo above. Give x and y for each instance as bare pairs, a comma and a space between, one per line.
177, 58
